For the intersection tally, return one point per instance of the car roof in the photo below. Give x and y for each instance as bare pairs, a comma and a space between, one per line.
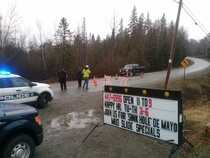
131, 64
8, 75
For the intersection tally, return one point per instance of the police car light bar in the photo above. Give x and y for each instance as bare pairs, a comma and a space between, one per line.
4, 73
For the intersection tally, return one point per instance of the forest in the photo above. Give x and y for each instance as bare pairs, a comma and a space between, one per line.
143, 41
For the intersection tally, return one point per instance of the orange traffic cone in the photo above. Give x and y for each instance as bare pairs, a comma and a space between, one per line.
94, 79
116, 78
95, 83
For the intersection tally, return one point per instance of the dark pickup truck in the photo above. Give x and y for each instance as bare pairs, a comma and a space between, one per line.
20, 130
132, 69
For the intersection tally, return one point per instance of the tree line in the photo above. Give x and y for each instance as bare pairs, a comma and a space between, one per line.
142, 41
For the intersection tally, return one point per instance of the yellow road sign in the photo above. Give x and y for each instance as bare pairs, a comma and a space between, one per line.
184, 63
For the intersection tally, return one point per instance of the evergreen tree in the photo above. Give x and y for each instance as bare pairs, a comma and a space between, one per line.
164, 45
208, 53
152, 53
84, 42
63, 40
180, 49
133, 21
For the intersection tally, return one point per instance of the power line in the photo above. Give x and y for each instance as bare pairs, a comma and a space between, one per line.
200, 25
206, 32
192, 16
196, 18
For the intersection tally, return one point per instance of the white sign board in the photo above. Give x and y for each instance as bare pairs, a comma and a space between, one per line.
153, 117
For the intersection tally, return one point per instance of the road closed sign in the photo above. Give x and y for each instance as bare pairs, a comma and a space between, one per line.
184, 63
149, 112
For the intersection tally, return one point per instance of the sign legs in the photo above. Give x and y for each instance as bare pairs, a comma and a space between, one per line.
98, 125
176, 147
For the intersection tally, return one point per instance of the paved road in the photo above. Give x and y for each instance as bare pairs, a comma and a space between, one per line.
73, 90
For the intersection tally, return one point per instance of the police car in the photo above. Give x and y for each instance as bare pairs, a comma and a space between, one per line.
16, 89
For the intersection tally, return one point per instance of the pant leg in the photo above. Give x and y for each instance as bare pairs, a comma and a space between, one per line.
87, 83
80, 82
84, 83
64, 84
61, 85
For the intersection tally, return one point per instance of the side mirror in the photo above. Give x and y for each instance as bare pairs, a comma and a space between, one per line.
32, 84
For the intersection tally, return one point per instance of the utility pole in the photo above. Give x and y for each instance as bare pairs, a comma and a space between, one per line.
170, 61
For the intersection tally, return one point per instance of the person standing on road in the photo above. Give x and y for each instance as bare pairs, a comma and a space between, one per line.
79, 76
86, 73
62, 78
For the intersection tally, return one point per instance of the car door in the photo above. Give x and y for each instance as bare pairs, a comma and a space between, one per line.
135, 70
6, 90
24, 90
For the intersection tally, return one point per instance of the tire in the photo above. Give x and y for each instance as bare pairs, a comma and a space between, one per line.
42, 101
21, 146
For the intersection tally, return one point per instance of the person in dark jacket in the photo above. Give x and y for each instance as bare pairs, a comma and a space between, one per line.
62, 78
79, 76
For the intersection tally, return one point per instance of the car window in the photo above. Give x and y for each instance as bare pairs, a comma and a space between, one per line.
128, 66
19, 82
5, 83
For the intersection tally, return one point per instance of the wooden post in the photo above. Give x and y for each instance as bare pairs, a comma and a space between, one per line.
170, 61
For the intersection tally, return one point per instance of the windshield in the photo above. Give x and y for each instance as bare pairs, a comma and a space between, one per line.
127, 66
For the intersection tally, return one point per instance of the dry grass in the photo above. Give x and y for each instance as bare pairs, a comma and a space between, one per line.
196, 108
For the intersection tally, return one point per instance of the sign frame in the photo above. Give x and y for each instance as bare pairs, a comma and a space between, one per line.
171, 96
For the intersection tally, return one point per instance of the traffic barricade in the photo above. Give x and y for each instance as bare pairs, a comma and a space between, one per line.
107, 80
124, 81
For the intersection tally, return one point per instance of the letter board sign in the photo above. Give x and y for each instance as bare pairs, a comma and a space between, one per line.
154, 113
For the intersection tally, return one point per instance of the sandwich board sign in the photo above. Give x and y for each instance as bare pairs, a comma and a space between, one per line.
154, 113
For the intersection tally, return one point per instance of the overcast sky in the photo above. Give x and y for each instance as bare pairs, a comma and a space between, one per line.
99, 13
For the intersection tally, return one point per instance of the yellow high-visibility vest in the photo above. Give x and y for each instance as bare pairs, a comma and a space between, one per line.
86, 72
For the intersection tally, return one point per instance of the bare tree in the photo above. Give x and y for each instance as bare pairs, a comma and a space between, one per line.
8, 31
1, 31
40, 36
114, 24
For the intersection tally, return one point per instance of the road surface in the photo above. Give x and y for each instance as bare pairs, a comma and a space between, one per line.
73, 90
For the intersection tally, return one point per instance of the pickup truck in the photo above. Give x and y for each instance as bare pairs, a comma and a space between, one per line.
20, 130
132, 69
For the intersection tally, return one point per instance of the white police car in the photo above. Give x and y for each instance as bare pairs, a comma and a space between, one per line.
16, 89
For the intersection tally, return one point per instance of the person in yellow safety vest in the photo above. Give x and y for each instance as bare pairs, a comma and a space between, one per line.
86, 72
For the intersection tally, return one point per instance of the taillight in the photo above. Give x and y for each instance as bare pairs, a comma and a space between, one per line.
38, 120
